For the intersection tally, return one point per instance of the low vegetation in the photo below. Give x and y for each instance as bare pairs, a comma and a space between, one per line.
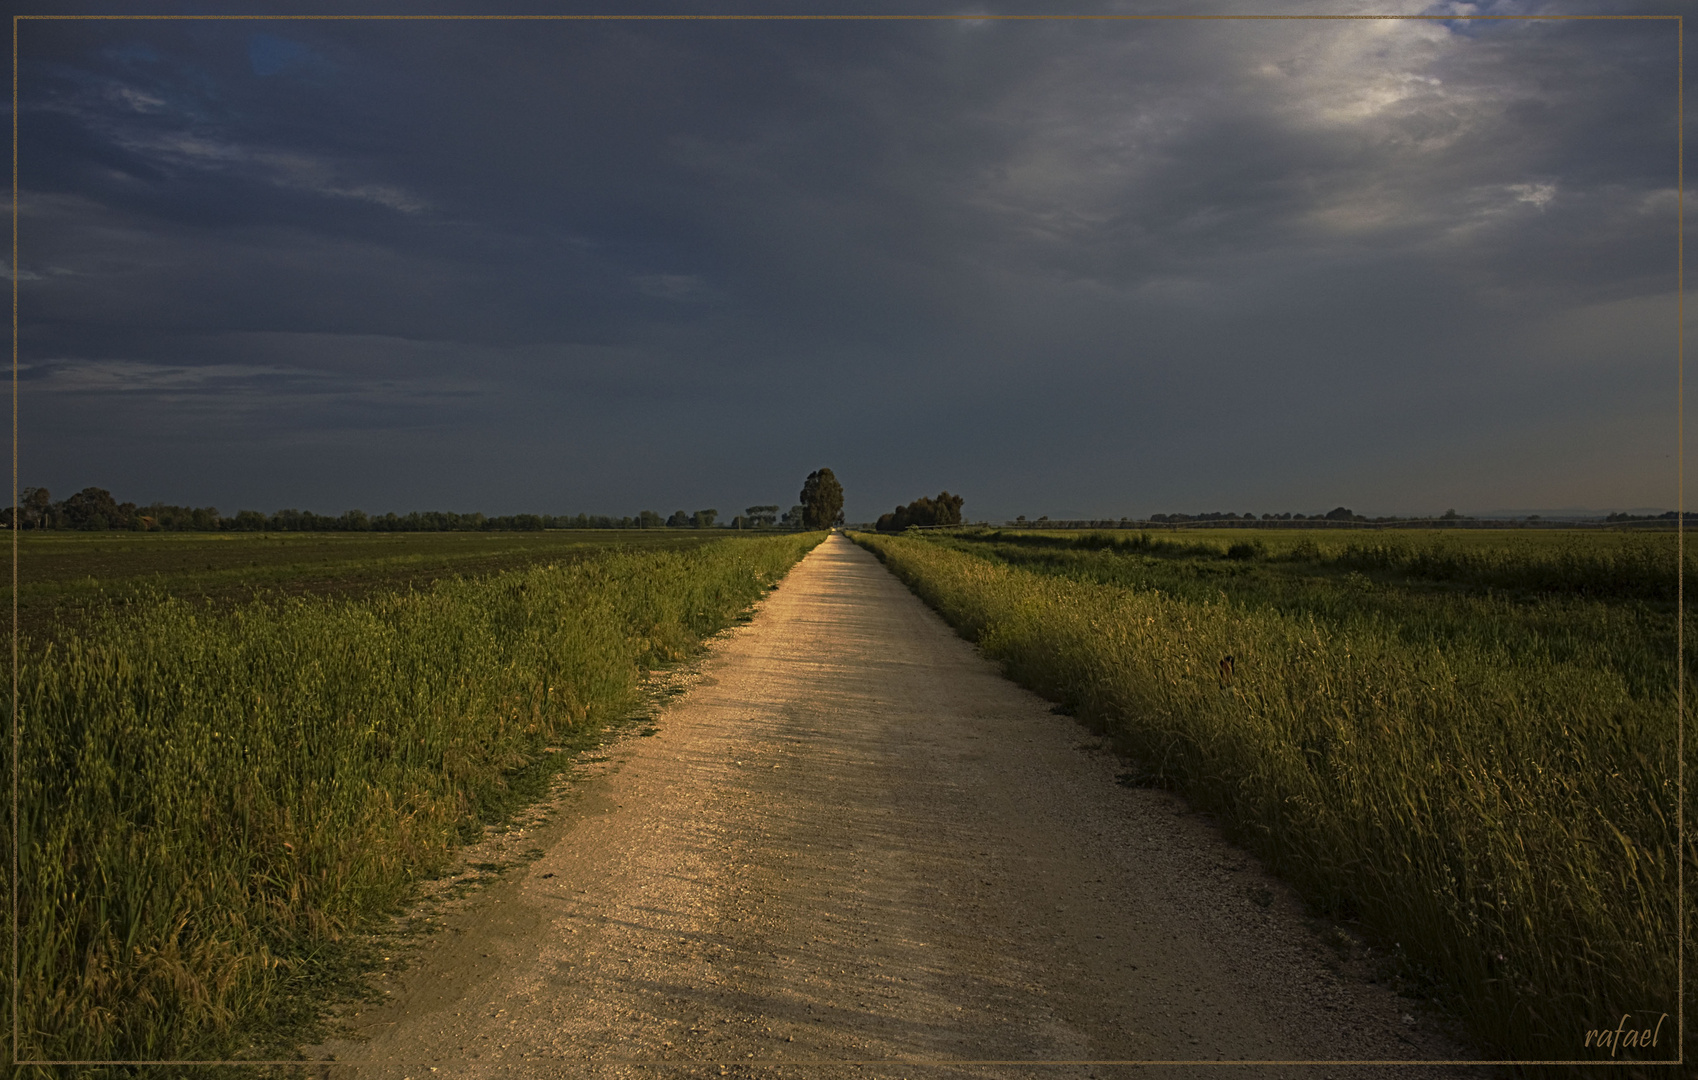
1618, 565
1468, 748
214, 798
65, 578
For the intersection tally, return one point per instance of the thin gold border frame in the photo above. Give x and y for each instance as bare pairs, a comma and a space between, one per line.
1680, 476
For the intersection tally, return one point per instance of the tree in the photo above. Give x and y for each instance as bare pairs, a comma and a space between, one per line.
793, 517
1339, 513
943, 510
822, 500
949, 508
678, 520
761, 515
703, 519
94, 508
34, 505
648, 519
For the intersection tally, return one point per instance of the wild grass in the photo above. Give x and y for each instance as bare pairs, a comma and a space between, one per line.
1491, 796
1579, 562
212, 800
1572, 621
66, 577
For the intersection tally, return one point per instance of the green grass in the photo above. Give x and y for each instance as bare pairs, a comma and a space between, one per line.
65, 575
1468, 753
1615, 564
216, 797
1503, 592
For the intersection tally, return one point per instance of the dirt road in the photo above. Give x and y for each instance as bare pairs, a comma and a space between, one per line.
853, 841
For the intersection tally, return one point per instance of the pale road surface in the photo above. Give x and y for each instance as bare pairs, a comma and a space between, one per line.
854, 841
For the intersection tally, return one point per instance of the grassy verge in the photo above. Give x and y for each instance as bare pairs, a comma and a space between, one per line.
212, 799
1498, 808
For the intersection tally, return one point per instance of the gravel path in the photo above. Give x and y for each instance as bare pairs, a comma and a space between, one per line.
853, 841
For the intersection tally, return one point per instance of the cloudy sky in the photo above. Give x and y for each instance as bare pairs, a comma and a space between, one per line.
1075, 268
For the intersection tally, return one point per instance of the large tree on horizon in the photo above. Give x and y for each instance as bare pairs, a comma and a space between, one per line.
822, 500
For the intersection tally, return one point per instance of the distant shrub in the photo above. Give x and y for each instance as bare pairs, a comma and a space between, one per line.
1305, 550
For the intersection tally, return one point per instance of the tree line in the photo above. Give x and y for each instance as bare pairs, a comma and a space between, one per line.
924, 511
94, 508
1337, 513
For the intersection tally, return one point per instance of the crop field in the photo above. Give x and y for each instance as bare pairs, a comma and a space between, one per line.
216, 794
1465, 744
62, 574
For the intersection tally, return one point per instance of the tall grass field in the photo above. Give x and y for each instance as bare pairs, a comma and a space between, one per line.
1468, 748
214, 797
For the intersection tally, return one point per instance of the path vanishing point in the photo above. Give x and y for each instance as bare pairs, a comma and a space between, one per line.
854, 849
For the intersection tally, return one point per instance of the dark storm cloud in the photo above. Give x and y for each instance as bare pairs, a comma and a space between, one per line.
1074, 268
